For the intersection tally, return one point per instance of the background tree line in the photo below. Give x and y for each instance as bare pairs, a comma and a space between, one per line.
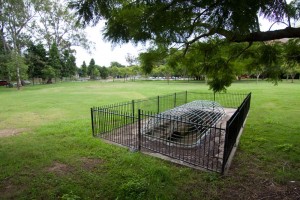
36, 39
219, 62
115, 70
215, 61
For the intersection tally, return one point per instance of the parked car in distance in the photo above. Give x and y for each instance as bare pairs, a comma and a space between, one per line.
4, 83
25, 82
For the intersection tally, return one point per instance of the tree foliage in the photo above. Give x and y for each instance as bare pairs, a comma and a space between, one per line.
291, 57
187, 21
15, 19
91, 69
103, 72
84, 70
191, 26
27, 27
36, 58
54, 60
57, 24
69, 67
114, 71
16, 67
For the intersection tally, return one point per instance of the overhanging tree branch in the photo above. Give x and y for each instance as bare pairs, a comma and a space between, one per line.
288, 32
266, 36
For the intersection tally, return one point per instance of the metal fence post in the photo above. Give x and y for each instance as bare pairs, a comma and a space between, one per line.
186, 93
92, 116
174, 99
139, 130
225, 154
157, 104
133, 110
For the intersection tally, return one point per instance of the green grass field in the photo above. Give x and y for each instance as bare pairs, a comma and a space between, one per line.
47, 150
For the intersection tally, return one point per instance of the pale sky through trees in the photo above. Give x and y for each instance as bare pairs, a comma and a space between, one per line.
104, 52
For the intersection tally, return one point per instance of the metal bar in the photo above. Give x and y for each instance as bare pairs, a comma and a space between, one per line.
157, 104
139, 130
186, 96
133, 110
174, 99
225, 150
92, 116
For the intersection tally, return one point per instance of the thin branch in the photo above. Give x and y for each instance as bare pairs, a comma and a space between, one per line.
236, 56
186, 49
209, 33
278, 22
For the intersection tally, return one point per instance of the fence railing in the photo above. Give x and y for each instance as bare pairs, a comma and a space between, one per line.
128, 124
164, 137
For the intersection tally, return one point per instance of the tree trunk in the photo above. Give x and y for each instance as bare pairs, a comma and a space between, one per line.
18, 78
292, 76
49, 81
257, 78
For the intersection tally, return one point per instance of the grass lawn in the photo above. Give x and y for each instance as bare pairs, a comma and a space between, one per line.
47, 150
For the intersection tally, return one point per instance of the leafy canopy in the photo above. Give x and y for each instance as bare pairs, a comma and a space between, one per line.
187, 21
188, 24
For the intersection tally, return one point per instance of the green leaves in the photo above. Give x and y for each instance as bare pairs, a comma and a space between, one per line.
152, 58
48, 72
16, 66
292, 51
54, 60
221, 75
193, 24
184, 22
36, 59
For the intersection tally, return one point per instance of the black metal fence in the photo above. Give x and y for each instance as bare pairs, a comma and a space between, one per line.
128, 124
233, 128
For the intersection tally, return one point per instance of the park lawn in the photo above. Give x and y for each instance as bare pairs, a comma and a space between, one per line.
53, 154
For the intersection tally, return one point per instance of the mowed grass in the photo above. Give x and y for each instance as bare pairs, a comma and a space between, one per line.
55, 155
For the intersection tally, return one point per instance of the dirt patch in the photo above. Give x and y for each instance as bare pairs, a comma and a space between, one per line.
12, 132
259, 188
90, 163
59, 168
252, 182
8, 189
